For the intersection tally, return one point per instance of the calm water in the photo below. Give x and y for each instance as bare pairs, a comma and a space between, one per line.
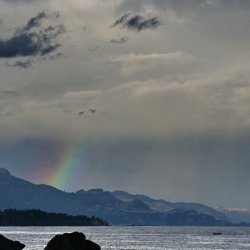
138, 238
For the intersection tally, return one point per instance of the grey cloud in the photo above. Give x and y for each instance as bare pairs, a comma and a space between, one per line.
26, 42
10, 92
121, 20
26, 45
67, 110
35, 21
209, 3
5, 112
137, 22
185, 4
56, 56
21, 1
21, 45
21, 64
93, 49
51, 57
120, 40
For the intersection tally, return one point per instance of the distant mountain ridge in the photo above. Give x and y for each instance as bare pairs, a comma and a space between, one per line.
165, 206
236, 215
119, 207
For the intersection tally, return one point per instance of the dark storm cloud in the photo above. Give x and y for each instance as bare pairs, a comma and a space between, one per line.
137, 22
35, 21
28, 42
120, 40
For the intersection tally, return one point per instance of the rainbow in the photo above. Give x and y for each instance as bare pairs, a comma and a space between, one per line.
66, 164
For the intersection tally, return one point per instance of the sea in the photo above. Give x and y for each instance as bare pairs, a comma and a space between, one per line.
138, 238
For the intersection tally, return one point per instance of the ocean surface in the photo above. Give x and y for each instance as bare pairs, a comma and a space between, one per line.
138, 238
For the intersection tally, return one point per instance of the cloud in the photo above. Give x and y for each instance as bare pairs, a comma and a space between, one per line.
184, 4
34, 22
141, 109
28, 42
10, 92
27, 45
80, 95
121, 40
137, 22
134, 63
56, 56
21, 1
21, 64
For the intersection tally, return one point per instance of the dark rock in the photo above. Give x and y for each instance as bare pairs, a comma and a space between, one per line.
90, 245
6, 244
71, 241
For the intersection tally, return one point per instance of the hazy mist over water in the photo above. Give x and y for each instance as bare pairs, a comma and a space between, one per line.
139, 238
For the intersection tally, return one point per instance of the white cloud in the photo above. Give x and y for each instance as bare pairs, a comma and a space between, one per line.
133, 63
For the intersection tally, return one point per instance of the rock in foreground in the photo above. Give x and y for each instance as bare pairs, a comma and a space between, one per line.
71, 241
6, 244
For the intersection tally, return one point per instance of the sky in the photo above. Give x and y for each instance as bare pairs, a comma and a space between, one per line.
147, 96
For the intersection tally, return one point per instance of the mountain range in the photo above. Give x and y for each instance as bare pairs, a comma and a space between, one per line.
118, 207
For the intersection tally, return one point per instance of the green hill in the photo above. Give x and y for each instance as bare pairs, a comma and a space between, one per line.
13, 217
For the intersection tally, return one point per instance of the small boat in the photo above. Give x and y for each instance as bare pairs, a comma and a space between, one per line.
217, 233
